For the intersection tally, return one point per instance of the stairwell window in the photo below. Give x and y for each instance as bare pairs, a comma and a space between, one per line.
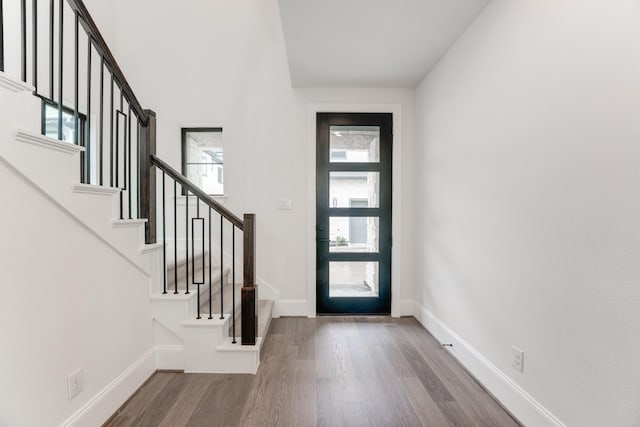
203, 158
50, 116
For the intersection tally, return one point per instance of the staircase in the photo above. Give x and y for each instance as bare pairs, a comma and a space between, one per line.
203, 298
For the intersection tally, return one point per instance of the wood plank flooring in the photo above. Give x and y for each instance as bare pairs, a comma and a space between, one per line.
329, 371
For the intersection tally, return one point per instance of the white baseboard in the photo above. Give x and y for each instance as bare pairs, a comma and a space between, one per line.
291, 307
520, 403
104, 404
170, 357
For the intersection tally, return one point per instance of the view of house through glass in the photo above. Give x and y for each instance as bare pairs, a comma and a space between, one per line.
353, 279
354, 144
202, 158
50, 123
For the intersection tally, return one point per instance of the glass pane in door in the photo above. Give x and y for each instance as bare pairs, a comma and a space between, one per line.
353, 234
353, 279
354, 144
354, 189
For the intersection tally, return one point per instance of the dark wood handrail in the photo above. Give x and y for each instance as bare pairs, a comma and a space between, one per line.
101, 46
193, 188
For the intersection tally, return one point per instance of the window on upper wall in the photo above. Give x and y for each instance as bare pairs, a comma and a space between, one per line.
202, 158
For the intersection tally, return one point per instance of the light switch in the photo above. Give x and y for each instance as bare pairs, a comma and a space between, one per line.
285, 204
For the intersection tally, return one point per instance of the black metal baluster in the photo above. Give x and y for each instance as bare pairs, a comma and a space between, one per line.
138, 170
76, 78
221, 269
233, 281
119, 119
175, 237
51, 53
203, 257
1, 37
129, 170
60, 67
111, 135
186, 235
87, 133
34, 32
210, 267
118, 153
164, 237
193, 254
193, 262
101, 145
23, 39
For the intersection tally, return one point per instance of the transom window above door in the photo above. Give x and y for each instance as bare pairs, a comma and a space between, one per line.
203, 158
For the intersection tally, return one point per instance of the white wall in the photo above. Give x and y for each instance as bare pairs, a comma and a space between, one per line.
61, 310
529, 184
227, 67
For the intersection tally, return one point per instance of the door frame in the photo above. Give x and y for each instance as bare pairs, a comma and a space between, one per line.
308, 307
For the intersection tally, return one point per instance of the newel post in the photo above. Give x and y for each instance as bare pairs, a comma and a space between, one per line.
148, 176
249, 291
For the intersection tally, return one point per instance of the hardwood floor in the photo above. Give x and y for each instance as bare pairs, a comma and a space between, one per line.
328, 371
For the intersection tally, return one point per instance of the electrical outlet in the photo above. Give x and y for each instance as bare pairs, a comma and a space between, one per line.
75, 383
518, 359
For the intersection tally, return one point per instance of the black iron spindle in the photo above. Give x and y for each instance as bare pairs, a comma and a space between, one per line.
233, 281
210, 267
119, 119
76, 94
23, 39
87, 131
101, 145
193, 251
129, 169
164, 237
175, 237
34, 42
111, 135
1, 37
138, 169
221, 268
60, 66
193, 260
51, 53
186, 235
120, 113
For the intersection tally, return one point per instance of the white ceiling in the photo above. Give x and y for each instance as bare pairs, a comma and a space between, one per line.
370, 43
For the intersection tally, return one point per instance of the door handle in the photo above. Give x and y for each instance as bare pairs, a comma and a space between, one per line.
322, 239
